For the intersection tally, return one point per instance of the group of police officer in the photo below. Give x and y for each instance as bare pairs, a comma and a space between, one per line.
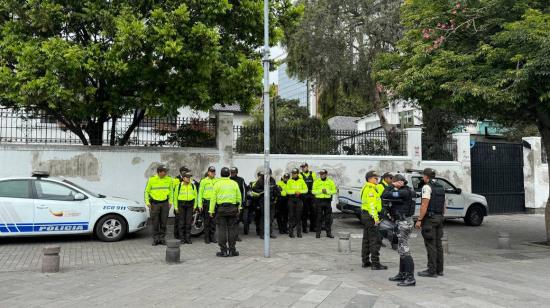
300, 201
388, 206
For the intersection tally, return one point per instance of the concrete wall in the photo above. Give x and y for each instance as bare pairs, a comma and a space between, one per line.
123, 171
535, 175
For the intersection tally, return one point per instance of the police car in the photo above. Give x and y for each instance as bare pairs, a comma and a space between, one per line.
471, 207
40, 205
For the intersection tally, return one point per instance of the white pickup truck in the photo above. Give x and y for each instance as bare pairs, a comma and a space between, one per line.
471, 207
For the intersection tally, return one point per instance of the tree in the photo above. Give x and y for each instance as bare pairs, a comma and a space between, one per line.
89, 62
292, 131
478, 58
334, 45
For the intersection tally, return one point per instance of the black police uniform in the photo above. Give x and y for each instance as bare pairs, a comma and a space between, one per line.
273, 193
432, 228
308, 211
242, 187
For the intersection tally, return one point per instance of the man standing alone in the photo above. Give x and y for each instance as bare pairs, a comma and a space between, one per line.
158, 197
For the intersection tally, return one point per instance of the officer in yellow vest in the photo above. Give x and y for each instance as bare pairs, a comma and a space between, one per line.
158, 197
282, 205
206, 187
371, 205
323, 190
308, 212
295, 188
225, 203
185, 203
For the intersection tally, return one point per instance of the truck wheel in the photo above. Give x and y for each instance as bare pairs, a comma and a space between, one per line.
111, 228
474, 216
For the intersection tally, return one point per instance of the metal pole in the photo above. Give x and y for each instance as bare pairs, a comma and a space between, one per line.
266, 130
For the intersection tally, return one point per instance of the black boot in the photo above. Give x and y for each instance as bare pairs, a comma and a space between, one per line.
377, 267
409, 281
427, 273
399, 277
329, 235
318, 235
233, 253
367, 264
222, 254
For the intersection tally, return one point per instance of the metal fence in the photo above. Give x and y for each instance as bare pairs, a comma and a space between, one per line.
293, 140
22, 127
439, 149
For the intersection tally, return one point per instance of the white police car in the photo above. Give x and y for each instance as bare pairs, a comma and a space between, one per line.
40, 205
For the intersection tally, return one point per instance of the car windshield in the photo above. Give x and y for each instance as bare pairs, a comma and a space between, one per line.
84, 189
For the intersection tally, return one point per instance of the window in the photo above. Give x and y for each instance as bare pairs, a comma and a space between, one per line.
446, 185
54, 191
14, 189
406, 118
417, 183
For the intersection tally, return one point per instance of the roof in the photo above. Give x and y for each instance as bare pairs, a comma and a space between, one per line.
233, 108
343, 123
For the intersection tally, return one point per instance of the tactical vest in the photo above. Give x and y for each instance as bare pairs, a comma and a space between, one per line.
309, 180
437, 200
406, 206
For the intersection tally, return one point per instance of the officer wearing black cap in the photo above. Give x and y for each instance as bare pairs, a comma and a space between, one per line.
309, 208
371, 205
323, 190
242, 187
206, 189
158, 197
295, 188
177, 180
402, 205
430, 220
282, 205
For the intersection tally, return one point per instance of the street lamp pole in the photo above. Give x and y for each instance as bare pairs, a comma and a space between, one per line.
267, 176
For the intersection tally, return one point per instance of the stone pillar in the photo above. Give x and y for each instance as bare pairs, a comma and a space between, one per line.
224, 138
535, 175
463, 157
414, 144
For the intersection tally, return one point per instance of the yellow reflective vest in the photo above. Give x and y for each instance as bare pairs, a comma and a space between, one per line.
206, 188
371, 201
320, 184
225, 191
158, 189
282, 185
293, 186
185, 192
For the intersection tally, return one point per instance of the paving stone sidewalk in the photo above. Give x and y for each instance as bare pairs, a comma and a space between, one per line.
301, 273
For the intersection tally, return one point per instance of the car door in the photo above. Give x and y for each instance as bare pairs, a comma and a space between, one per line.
16, 208
417, 183
454, 198
58, 211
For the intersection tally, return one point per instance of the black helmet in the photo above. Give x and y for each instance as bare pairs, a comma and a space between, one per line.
161, 168
234, 170
371, 174
399, 177
387, 175
295, 171
429, 172
387, 229
225, 172
184, 169
286, 176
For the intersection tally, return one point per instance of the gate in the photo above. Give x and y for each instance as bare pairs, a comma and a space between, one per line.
497, 174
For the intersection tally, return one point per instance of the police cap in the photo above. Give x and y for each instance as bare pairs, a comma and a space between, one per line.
372, 174
162, 168
387, 175
399, 177
295, 171
234, 170
212, 169
429, 172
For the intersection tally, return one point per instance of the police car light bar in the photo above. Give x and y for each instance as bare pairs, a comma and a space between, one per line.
40, 174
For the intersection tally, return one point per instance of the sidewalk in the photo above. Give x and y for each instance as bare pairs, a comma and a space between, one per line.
304, 272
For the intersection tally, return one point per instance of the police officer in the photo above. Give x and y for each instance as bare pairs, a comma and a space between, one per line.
225, 203
242, 187
258, 192
402, 208
177, 180
308, 210
371, 205
158, 197
206, 188
323, 190
249, 207
185, 203
282, 205
295, 188
385, 183
430, 220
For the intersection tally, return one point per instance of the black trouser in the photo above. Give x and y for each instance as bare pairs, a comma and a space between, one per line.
209, 223
185, 218
282, 214
271, 217
432, 232
295, 206
258, 204
226, 219
323, 208
309, 212
159, 216
371, 240
177, 229
247, 212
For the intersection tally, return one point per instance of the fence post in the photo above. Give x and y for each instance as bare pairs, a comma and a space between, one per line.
463, 157
414, 143
224, 137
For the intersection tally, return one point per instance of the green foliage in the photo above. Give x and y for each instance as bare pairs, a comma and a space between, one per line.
292, 131
87, 62
334, 45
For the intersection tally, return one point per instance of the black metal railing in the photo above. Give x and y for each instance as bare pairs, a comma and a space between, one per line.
293, 140
439, 149
27, 127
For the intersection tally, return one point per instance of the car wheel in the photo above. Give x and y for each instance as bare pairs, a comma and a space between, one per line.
111, 228
474, 216
197, 225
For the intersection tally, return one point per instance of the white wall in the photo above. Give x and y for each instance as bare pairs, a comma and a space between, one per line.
535, 175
